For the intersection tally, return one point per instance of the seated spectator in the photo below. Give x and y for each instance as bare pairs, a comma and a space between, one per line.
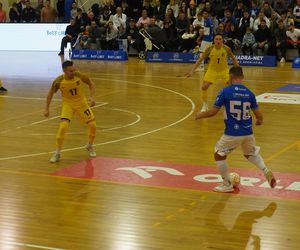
263, 38
132, 34
192, 11
296, 13
267, 9
174, 6
70, 36
48, 13
199, 21
170, 33
159, 10
293, 37
254, 10
119, 21
228, 19
144, 20
81, 20
257, 22
239, 10
82, 39
245, 22
2, 14
14, 14
188, 40
94, 35
280, 6
170, 18
182, 24
112, 34
231, 39
28, 13
280, 41
147, 6
248, 41
73, 11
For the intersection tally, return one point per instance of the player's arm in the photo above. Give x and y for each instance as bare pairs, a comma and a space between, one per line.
209, 113
232, 56
258, 115
91, 85
198, 62
50, 94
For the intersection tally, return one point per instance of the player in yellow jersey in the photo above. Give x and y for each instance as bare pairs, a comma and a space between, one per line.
73, 101
218, 68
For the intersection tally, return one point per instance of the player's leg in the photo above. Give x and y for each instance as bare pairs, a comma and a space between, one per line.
224, 146
251, 152
208, 79
204, 45
66, 115
87, 115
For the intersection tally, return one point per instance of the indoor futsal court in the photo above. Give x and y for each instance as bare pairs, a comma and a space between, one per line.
150, 186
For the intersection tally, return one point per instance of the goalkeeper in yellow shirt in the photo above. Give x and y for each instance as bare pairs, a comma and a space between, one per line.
73, 101
218, 68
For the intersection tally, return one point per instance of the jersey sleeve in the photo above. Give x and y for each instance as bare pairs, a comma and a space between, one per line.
208, 50
56, 84
82, 77
219, 102
228, 51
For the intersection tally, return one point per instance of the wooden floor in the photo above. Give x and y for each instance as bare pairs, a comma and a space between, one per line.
145, 112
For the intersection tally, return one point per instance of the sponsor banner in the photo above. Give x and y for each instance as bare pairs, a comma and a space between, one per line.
279, 98
171, 57
113, 55
296, 62
185, 176
290, 87
32, 36
245, 60
191, 58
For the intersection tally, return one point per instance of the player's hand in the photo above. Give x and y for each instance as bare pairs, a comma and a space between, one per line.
92, 102
189, 74
199, 115
259, 122
46, 113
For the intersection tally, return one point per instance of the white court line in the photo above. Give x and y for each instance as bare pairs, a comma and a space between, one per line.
29, 245
105, 129
44, 120
125, 138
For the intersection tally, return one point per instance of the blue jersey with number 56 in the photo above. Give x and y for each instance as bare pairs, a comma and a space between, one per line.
238, 102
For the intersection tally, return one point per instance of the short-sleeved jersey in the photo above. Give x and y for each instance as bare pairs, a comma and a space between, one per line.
71, 89
218, 58
238, 102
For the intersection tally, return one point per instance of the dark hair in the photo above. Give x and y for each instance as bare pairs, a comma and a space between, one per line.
218, 34
66, 64
236, 72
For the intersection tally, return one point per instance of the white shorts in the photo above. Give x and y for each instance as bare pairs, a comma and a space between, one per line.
204, 45
227, 144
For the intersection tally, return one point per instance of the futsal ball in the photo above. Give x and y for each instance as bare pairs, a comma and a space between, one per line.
235, 179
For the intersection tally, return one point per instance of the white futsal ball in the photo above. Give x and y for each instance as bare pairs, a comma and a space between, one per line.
235, 179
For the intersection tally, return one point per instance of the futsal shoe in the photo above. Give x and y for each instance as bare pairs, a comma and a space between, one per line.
55, 158
2, 89
270, 178
91, 150
204, 107
222, 188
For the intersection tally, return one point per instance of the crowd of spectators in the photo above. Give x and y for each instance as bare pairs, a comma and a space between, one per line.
249, 26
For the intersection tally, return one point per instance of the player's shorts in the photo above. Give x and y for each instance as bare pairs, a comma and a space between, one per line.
83, 110
204, 45
213, 76
227, 144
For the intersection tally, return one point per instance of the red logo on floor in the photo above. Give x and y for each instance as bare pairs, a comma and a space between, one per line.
162, 174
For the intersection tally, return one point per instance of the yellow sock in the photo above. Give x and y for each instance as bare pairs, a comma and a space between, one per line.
92, 131
63, 126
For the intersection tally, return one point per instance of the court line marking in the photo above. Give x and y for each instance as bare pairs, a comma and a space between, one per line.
138, 119
125, 138
271, 157
30, 245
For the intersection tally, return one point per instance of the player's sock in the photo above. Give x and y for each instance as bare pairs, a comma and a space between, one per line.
258, 161
222, 166
92, 132
63, 126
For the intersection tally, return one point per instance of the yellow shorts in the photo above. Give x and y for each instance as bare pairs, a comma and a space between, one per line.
83, 110
213, 77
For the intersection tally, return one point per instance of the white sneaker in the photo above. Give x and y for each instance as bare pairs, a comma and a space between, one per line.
55, 157
282, 60
200, 68
204, 107
222, 188
91, 150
